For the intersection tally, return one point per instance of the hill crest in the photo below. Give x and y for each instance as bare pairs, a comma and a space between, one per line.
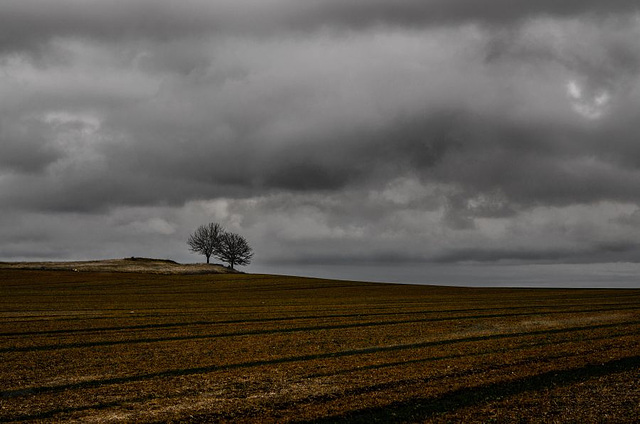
132, 264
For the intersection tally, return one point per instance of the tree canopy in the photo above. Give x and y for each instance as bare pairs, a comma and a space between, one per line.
212, 240
234, 250
206, 239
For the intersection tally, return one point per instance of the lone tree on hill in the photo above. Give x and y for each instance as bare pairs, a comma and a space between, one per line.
206, 239
234, 250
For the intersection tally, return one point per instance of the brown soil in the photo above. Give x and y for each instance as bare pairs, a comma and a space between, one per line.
138, 347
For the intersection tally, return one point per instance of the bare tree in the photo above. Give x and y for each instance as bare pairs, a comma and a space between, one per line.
234, 250
206, 239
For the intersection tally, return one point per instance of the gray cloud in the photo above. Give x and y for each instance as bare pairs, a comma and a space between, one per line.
327, 132
25, 146
27, 24
606, 252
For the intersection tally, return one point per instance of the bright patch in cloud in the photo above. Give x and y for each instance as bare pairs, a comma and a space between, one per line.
591, 105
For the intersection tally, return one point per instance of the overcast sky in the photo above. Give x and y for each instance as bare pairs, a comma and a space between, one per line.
368, 134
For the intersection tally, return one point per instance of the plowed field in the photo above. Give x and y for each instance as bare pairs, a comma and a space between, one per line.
114, 347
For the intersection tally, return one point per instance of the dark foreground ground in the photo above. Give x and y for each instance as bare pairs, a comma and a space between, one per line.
114, 347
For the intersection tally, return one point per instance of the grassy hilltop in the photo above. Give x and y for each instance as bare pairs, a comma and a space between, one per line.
133, 264
142, 347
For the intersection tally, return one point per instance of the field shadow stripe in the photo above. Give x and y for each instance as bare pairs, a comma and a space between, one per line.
295, 318
463, 355
423, 408
290, 359
52, 413
60, 346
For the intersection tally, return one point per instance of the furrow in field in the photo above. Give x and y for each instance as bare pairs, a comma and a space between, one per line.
33, 346
189, 324
421, 408
394, 385
303, 358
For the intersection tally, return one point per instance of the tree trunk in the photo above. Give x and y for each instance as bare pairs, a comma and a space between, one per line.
207, 258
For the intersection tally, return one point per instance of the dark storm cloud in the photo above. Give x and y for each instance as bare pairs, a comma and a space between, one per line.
27, 24
362, 13
603, 56
101, 190
537, 166
326, 131
499, 166
494, 169
245, 164
25, 145
622, 251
